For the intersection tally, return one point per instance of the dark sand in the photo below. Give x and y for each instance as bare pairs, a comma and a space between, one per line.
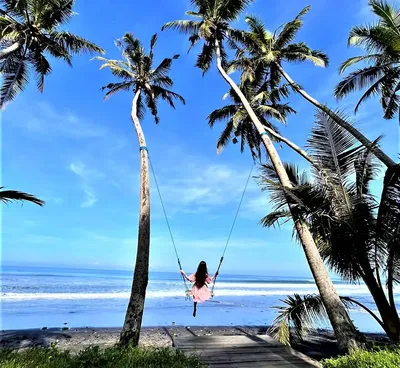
318, 345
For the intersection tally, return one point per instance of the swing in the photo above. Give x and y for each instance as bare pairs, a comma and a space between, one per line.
188, 291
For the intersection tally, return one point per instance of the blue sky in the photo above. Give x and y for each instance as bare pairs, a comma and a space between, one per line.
80, 154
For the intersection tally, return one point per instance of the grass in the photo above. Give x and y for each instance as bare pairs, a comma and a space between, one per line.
381, 358
94, 357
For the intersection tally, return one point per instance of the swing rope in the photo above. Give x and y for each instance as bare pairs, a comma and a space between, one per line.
230, 232
187, 290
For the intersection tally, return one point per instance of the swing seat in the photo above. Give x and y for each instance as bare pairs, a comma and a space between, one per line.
188, 293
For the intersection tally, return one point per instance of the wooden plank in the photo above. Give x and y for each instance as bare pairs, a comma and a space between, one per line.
224, 343
258, 365
250, 358
243, 351
237, 350
240, 338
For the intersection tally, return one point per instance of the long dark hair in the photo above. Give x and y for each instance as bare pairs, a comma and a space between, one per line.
201, 274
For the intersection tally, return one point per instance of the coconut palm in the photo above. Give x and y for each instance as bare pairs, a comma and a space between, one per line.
358, 236
7, 196
29, 33
148, 84
381, 75
258, 47
212, 27
266, 104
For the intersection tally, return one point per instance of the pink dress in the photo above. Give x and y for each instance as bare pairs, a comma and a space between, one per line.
200, 295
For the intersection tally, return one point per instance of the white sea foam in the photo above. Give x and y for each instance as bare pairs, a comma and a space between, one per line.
13, 297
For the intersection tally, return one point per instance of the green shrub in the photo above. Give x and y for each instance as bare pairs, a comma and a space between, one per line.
94, 357
383, 358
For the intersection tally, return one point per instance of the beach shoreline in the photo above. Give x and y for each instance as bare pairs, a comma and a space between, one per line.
318, 345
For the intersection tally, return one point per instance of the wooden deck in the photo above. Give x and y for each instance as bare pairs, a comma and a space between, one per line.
243, 351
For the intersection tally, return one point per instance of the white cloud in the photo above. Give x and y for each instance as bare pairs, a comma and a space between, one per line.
77, 168
86, 175
202, 186
90, 199
43, 118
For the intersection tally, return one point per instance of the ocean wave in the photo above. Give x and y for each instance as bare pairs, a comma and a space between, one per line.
12, 297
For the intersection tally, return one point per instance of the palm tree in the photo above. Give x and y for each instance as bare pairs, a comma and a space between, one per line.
148, 85
381, 76
266, 104
270, 50
212, 27
358, 236
7, 196
29, 31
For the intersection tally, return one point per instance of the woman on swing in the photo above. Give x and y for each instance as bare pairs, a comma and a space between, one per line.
200, 279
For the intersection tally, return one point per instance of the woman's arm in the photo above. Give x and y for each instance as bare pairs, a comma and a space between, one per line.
184, 275
214, 277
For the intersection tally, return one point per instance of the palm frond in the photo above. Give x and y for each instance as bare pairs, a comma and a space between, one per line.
183, 26
205, 58
333, 146
301, 52
50, 14
224, 113
225, 136
359, 79
164, 67
366, 169
388, 219
356, 59
113, 88
276, 218
14, 81
388, 14
298, 316
230, 9
167, 95
290, 29
301, 314
42, 68
14, 195
75, 44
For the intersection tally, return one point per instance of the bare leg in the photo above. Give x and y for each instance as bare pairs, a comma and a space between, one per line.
194, 309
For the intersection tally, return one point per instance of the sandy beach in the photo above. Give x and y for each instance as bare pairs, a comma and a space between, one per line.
318, 345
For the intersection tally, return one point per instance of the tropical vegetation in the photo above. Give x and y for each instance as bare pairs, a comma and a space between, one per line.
385, 358
94, 357
358, 235
30, 32
7, 196
381, 75
148, 85
340, 224
259, 47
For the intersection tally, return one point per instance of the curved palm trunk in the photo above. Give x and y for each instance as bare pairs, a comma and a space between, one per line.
346, 334
10, 50
344, 124
388, 312
293, 146
134, 314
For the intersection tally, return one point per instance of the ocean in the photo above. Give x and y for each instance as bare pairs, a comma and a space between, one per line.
50, 297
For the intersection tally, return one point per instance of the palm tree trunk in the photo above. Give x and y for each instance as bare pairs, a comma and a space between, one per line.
293, 146
388, 312
344, 124
10, 50
134, 314
344, 329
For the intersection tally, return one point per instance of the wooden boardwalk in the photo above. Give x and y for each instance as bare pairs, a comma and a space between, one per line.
243, 351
